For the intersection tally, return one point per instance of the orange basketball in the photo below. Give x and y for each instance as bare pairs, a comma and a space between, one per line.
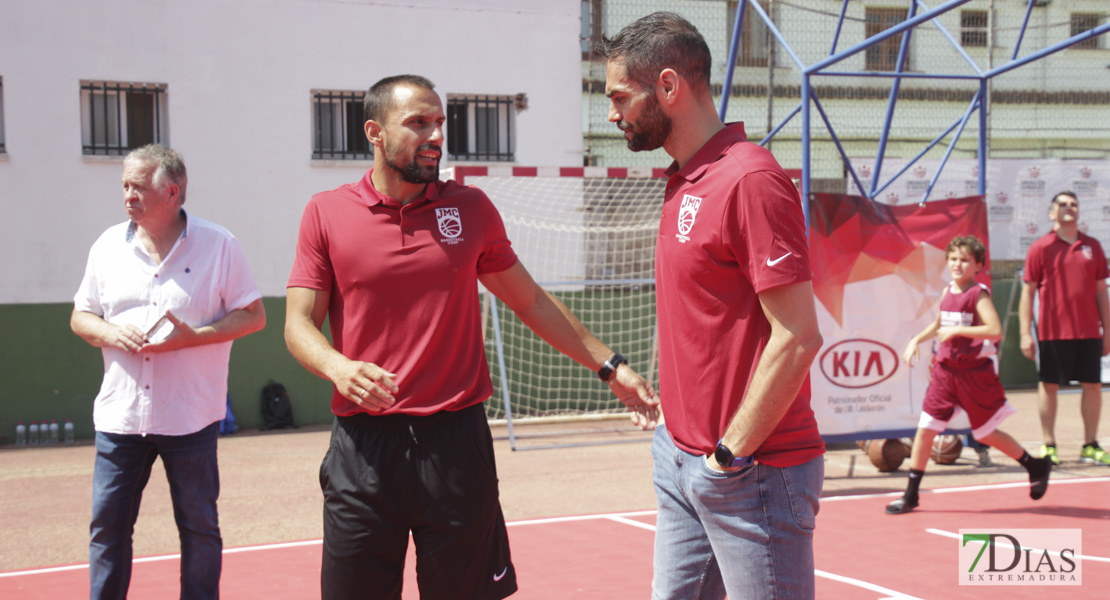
946, 449
886, 455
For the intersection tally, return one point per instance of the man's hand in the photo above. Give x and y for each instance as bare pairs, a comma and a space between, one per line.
711, 462
366, 384
181, 336
637, 394
128, 338
1029, 349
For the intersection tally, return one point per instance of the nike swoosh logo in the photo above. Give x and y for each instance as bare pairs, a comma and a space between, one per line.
500, 575
771, 263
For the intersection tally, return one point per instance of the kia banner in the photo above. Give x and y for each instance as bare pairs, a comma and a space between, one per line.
878, 274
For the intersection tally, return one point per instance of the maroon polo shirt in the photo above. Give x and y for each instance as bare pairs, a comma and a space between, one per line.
403, 284
1066, 275
732, 227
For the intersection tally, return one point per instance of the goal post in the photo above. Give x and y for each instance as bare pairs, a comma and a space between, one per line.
586, 235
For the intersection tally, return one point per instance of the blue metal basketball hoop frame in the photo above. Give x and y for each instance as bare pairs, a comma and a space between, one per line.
823, 68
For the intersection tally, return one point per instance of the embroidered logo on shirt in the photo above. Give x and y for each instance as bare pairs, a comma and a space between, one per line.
1087, 252
771, 263
686, 215
450, 224
500, 575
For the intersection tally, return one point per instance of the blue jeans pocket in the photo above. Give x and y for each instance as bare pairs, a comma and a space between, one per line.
803, 485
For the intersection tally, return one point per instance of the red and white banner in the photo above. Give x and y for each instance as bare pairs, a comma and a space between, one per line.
879, 271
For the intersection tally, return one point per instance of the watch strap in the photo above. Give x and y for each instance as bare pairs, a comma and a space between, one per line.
606, 371
725, 458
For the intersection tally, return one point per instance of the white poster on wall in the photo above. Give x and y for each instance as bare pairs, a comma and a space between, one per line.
1018, 193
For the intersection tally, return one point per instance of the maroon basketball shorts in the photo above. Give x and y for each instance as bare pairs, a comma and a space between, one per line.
434, 476
975, 390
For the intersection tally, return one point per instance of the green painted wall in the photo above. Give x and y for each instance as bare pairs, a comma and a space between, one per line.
47, 372
1014, 370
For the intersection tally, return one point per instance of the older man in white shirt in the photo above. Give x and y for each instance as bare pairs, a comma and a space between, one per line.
163, 296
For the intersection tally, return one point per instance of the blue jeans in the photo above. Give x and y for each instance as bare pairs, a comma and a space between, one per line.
747, 534
122, 469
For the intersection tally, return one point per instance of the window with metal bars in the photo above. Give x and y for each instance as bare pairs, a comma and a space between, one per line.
3, 148
753, 40
337, 126
973, 28
591, 27
480, 127
119, 117
1081, 22
884, 55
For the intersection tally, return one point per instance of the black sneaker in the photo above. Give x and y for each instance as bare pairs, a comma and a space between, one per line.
903, 505
1039, 472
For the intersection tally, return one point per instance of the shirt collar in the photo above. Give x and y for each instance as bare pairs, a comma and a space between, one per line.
372, 197
129, 234
710, 152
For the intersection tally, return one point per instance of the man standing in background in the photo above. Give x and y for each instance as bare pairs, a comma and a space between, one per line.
1067, 269
163, 296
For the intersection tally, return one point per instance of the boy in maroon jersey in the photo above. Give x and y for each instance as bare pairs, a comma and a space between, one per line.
963, 376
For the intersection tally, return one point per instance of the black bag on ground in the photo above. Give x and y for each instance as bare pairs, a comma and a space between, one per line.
277, 410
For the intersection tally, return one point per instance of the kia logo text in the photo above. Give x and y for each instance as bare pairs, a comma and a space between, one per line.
858, 363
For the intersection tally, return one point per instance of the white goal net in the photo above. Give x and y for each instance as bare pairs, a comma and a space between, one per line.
587, 235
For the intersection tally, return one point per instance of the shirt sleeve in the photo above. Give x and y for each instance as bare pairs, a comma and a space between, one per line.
239, 288
767, 233
1101, 270
498, 253
87, 298
312, 267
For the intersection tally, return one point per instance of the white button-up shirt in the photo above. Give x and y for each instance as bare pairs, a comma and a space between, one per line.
203, 278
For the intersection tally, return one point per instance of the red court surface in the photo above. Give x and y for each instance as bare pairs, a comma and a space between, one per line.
861, 553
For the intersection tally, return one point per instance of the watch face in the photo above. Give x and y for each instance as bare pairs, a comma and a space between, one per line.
723, 456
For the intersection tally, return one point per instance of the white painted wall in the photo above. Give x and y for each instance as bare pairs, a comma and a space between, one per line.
239, 74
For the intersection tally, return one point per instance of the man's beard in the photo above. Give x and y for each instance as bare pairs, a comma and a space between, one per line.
652, 129
413, 172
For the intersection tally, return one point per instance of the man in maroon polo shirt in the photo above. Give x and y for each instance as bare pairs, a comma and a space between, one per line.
738, 463
393, 262
1067, 268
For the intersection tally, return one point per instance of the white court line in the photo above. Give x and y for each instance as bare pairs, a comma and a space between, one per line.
970, 488
956, 536
618, 517
632, 522
891, 594
640, 513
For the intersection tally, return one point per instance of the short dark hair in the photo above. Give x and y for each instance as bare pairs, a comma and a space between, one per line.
971, 245
661, 40
379, 98
1065, 193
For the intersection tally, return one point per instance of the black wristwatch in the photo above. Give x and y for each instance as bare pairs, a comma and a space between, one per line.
724, 457
606, 371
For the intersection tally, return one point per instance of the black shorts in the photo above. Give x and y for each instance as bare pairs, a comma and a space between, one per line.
384, 476
1064, 361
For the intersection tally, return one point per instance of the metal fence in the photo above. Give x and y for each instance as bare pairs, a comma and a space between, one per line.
1055, 107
